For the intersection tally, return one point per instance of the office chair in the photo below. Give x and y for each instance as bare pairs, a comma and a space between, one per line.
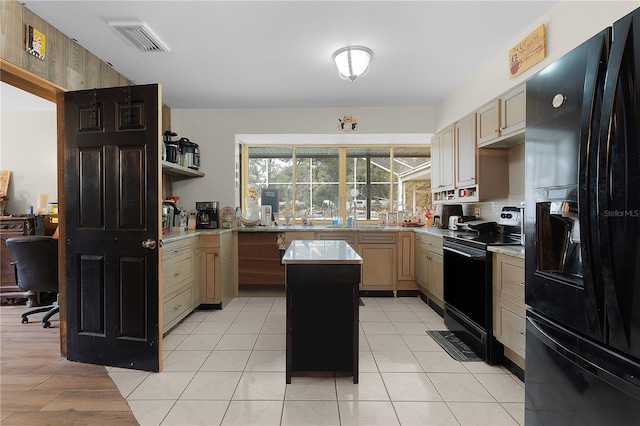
35, 260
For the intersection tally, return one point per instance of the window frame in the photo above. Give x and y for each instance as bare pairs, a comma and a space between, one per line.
394, 191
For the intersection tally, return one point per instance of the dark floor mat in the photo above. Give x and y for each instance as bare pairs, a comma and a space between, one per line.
455, 347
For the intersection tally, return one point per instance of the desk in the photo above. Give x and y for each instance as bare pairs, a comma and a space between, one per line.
13, 226
322, 280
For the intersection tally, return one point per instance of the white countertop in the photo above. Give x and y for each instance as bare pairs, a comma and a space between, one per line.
515, 251
326, 252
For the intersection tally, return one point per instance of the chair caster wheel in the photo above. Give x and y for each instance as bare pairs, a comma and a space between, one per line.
46, 324
25, 320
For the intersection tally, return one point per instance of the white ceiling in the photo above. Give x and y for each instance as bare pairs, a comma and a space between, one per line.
260, 54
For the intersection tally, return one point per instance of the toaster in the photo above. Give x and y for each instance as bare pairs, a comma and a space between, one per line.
510, 216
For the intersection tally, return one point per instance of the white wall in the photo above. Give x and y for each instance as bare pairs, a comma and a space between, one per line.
567, 25
215, 131
28, 149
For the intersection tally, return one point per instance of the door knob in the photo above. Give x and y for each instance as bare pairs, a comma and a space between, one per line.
149, 243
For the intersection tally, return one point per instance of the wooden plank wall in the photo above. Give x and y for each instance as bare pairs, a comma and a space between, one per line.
66, 64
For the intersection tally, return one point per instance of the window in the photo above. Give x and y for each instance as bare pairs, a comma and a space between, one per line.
345, 181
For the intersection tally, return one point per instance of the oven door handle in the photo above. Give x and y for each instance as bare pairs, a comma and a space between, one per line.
474, 256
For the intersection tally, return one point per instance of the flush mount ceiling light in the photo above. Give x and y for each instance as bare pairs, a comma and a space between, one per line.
139, 35
352, 61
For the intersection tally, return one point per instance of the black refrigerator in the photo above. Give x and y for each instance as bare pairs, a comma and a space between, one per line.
582, 234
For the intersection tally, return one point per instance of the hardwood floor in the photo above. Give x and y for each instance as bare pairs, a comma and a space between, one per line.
39, 387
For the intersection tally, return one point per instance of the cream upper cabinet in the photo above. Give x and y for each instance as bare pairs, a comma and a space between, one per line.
502, 122
488, 122
442, 161
465, 151
512, 111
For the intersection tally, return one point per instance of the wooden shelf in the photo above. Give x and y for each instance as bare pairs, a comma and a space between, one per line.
180, 171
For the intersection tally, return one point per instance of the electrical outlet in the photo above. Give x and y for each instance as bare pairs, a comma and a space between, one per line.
476, 212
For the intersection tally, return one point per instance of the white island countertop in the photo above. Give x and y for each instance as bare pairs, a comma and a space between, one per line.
326, 252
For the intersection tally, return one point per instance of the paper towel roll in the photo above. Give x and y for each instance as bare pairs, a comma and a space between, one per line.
41, 207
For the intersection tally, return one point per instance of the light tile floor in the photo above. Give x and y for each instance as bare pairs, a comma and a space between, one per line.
228, 367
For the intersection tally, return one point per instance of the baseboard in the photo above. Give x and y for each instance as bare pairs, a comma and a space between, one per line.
432, 304
210, 306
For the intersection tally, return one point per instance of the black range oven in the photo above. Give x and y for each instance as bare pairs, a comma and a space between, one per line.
468, 292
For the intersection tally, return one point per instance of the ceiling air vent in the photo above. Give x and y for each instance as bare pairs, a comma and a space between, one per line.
140, 36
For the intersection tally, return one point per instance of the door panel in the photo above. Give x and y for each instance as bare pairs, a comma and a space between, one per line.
112, 203
618, 187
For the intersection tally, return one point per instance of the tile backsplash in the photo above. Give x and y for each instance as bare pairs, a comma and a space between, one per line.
490, 210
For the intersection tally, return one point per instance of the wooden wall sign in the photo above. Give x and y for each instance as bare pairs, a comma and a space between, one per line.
5, 175
36, 42
531, 50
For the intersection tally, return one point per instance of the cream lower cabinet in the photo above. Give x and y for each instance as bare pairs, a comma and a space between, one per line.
217, 268
379, 266
180, 283
509, 309
430, 268
297, 235
406, 264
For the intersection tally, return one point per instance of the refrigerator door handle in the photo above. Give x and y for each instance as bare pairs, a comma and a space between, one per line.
587, 180
605, 168
596, 367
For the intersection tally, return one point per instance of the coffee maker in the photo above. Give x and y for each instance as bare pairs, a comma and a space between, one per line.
207, 216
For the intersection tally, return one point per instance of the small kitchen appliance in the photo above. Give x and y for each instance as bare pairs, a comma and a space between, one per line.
167, 217
170, 147
511, 222
453, 222
207, 216
444, 212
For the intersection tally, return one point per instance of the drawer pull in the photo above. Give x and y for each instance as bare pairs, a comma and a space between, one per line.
521, 333
519, 283
177, 307
177, 274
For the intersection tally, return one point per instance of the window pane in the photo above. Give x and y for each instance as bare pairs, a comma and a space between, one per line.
413, 179
368, 170
317, 182
272, 169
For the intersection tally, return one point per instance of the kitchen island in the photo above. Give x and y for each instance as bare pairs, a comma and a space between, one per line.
322, 280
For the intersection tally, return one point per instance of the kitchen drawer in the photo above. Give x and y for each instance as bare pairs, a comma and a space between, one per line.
298, 235
377, 238
512, 280
512, 327
509, 279
430, 243
177, 269
176, 248
176, 305
349, 237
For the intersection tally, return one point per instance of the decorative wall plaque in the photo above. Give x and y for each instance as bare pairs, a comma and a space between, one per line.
36, 42
527, 53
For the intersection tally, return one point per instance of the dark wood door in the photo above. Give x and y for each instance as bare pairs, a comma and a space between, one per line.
112, 225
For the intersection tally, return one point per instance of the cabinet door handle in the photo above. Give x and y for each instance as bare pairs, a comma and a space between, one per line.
519, 283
